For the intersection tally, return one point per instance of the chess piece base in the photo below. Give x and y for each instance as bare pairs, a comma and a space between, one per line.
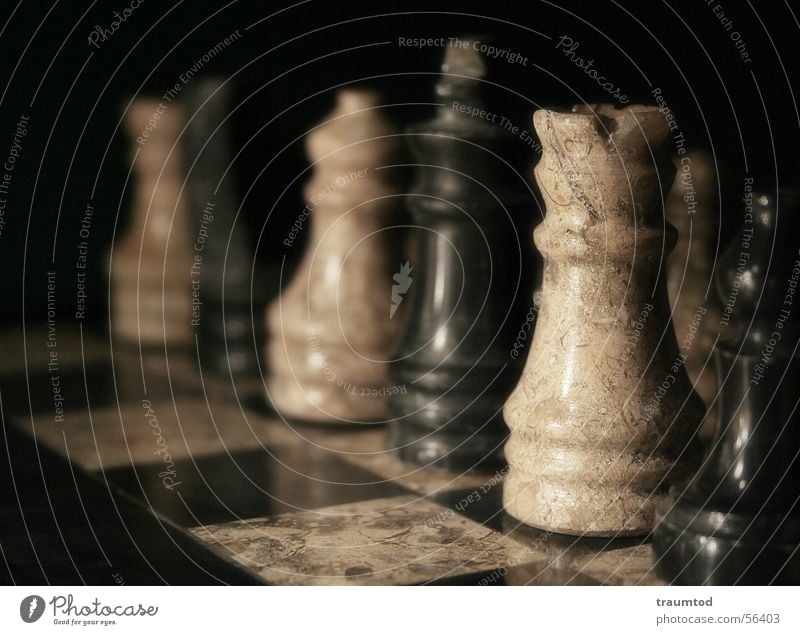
450, 419
322, 401
227, 343
708, 547
451, 446
584, 511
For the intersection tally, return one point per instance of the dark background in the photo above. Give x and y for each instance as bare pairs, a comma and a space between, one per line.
287, 64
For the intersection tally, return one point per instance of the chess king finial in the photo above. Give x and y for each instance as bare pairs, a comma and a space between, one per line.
151, 298
330, 331
603, 418
462, 65
472, 270
738, 520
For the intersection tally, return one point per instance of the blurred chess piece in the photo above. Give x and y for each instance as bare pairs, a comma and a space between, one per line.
472, 212
223, 308
692, 211
604, 417
333, 328
150, 264
738, 521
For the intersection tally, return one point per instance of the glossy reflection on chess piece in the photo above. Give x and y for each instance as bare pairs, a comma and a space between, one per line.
222, 252
333, 328
150, 287
603, 417
738, 521
472, 210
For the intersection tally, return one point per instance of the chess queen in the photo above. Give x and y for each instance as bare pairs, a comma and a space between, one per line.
604, 418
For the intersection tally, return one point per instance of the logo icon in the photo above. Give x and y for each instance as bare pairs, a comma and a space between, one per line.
31, 608
403, 280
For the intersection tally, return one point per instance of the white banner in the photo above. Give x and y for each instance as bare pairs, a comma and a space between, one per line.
403, 610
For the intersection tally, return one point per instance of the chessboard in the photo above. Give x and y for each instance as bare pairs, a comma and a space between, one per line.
129, 466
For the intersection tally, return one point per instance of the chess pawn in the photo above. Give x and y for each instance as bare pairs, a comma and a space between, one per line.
738, 520
457, 358
333, 329
223, 255
150, 286
604, 417
691, 210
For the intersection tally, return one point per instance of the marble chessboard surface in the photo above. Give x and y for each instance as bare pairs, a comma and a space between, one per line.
140, 469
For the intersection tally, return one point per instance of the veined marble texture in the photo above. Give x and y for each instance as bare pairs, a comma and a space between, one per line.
400, 540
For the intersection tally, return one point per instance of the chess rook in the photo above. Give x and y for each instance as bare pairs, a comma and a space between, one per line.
738, 521
333, 328
223, 257
150, 263
473, 282
603, 418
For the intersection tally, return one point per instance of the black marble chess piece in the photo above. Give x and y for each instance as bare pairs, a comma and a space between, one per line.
228, 337
738, 520
472, 210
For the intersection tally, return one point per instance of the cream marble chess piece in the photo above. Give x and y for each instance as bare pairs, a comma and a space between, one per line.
331, 331
603, 419
151, 300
